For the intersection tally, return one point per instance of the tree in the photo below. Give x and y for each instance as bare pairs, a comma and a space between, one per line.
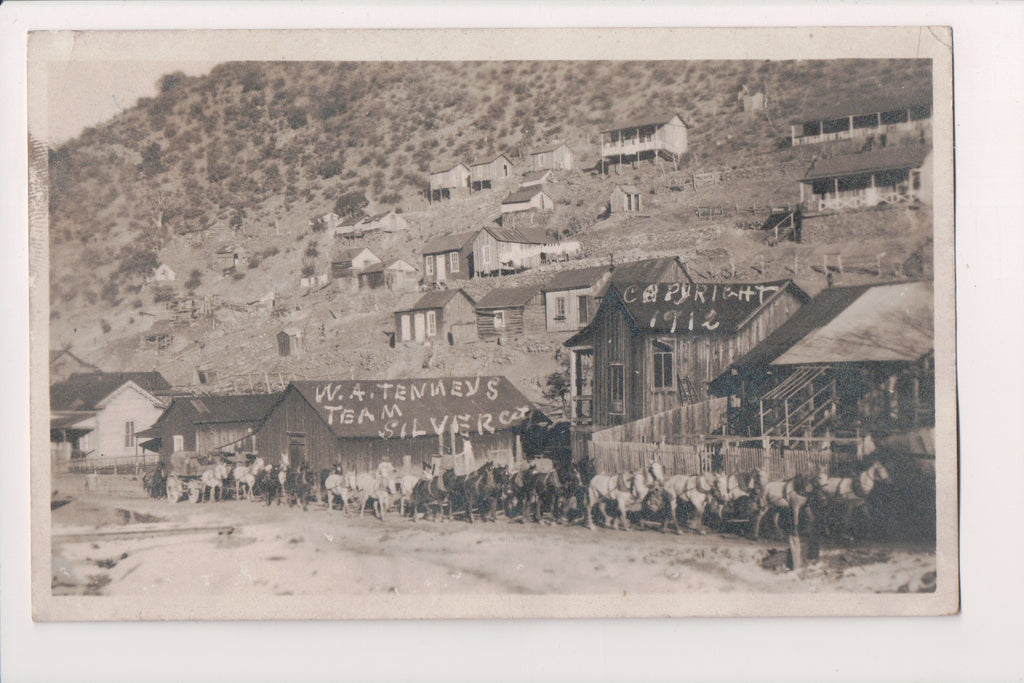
194, 280
556, 387
351, 204
151, 160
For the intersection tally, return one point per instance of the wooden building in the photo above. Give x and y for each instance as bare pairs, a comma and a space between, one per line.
163, 273
532, 198
646, 138
372, 277
230, 257
401, 276
667, 269
853, 360
389, 221
448, 257
488, 172
446, 180
63, 364
654, 346
435, 316
98, 415
571, 297
510, 312
893, 175
554, 157
289, 342
347, 263
887, 117
358, 423
625, 199
202, 425
534, 179
350, 227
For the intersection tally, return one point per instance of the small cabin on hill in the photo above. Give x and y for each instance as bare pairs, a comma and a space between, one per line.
510, 312
448, 257
893, 175
163, 273
555, 157
650, 138
885, 116
625, 199
347, 263
448, 179
372, 277
501, 250
289, 342
435, 316
485, 173
359, 423
654, 346
524, 200
63, 364
350, 227
534, 179
571, 297
401, 276
389, 221
229, 257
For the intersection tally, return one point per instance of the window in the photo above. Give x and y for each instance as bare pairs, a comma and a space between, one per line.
431, 323
499, 320
560, 308
453, 261
485, 254
616, 387
583, 309
129, 434
179, 443
662, 366
428, 264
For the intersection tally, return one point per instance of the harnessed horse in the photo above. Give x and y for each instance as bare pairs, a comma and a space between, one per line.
735, 496
695, 489
212, 482
431, 493
481, 486
792, 494
851, 493
625, 490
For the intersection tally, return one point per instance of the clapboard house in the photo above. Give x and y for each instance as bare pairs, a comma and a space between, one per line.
202, 425
510, 312
446, 181
358, 423
486, 173
894, 175
449, 257
571, 297
446, 314
500, 250
400, 276
664, 136
853, 360
520, 206
347, 263
554, 157
98, 415
654, 346
886, 117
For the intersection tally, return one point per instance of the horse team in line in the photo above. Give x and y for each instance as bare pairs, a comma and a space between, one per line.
568, 491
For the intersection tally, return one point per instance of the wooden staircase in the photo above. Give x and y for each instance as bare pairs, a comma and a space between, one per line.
687, 392
803, 405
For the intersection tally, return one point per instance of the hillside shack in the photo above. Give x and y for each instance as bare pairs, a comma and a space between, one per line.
448, 257
510, 312
625, 199
389, 221
401, 276
652, 138
449, 179
348, 263
893, 175
434, 315
229, 257
163, 273
372, 277
487, 172
571, 297
359, 423
63, 364
289, 342
531, 198
534, 179
554, 157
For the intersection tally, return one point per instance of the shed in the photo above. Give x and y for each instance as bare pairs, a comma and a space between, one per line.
527, 199
372, 276
349, 227
434, 315
449, 257
625, 198
289, 342
571, 296
510, 312
230, 257
892, 175
486, 172
401, 276
159, 336
349, 262
445, 180
359, 423
163, 273
556, 156
389, 221
204, 424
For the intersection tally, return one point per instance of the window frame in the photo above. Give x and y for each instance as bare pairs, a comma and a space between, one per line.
453, 261
662, 370
616, 381
499, 316
560, 307
177, 443
129, 434
428, 264
431, 323
583, 309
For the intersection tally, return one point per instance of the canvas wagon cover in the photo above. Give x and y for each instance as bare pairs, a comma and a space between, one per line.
410, 408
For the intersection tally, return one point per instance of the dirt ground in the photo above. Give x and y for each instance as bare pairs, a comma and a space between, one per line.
279, 550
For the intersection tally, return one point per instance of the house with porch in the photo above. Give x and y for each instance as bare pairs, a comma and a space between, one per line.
449, 257
893, 175
446, 314
664, 136
854, 360
571, 297
488, 172
501, 250
555, 157
446, 180
887, 117
653, 346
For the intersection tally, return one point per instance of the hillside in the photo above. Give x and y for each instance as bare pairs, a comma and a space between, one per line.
253, 151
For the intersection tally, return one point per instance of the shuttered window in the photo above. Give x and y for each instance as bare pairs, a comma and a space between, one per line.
129, 434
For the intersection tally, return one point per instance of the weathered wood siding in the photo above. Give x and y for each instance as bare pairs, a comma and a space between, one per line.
452, 178
229, 437
293, 415
571, 321
465, 259
499, 169
176, 422
489, 262
560, 158
618, 344
485, 328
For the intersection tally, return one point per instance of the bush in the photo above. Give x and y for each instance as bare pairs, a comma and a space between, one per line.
237, 275
162, 293
308, 270
105, 326
254, 261
194, 280
270, 251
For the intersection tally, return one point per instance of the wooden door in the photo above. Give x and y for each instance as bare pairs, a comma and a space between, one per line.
420, 325
406, 328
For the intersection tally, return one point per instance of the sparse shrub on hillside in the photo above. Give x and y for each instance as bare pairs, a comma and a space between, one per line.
137, 303
195, 279
312, 251
237, 275
105, 326
297, 118
162, 293
110, 292
391, 198
270, 251
308, 269
254, 262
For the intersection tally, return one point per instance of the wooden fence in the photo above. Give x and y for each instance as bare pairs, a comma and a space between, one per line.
703, 417
127, 465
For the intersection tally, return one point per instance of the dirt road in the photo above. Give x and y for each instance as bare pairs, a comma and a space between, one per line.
284, 551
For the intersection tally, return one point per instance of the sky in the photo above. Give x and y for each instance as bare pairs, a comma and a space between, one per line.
84, 93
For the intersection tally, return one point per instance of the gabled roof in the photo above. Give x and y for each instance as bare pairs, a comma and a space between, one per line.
437, 298
641, 122
649, 270
629, 189
351, 221
401, 264
525, 195
576, 279
453, 242
409, 408
219, 409
520, 235
888, 322
491, 160
867, 105
86, 391
889, 158
536, 176
508, 297
57, 353
550, 148
351, 253
445, 169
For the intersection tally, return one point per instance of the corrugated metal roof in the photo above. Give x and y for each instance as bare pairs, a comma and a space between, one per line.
576, 279
907, 156
640, 122
871, 105
83, 391
884, 324
410, 408
508, 297
434, 299
703, 308
520, 196
453, 242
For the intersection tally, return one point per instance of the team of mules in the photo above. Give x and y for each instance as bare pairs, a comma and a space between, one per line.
567, 491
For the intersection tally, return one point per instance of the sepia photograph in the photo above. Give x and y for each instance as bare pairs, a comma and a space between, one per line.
413, 337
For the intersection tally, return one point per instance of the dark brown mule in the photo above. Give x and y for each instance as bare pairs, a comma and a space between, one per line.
481, 487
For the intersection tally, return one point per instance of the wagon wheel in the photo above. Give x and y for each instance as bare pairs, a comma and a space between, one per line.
195, 491
174, 489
